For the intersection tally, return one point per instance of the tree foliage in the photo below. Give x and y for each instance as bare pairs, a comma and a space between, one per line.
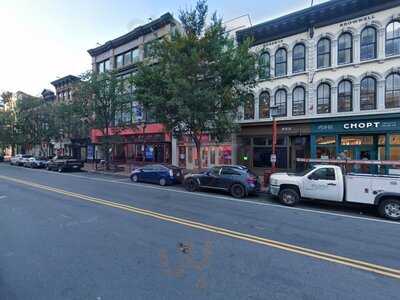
198, 81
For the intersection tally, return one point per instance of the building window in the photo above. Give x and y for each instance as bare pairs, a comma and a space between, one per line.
265, 66
326, 147
393, 38
345, 96
103, 66
281, 103
299, 58
324, 98
264, 102
299, 101
368, 44
392, 99
249, 108
281, 62
127, 58
368, 94
345, 49
324, 53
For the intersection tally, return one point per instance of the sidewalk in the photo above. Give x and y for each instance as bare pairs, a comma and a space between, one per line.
90, 168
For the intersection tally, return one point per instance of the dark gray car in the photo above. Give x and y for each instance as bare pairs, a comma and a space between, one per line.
237, 180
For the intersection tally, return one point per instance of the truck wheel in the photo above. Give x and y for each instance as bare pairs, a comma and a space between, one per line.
390, 209
289, 197
238, 191
191, 185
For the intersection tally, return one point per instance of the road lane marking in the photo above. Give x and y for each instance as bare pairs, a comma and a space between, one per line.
205, 195
357, 264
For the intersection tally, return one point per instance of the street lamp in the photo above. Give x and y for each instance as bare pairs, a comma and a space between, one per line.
274, 113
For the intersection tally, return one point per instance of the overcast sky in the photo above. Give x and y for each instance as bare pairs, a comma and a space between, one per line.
41, 40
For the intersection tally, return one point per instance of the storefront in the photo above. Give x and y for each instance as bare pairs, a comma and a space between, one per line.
211, 153
254, 145
361, 137
151, 144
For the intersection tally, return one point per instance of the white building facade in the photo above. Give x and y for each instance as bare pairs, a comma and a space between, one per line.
333, 71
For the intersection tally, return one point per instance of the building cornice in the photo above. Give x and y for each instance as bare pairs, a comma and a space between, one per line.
324, 14
134, 34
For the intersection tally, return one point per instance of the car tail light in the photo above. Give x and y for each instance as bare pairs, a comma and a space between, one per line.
252, 180
171, 173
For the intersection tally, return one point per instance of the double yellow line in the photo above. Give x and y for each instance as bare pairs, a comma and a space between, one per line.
357, 264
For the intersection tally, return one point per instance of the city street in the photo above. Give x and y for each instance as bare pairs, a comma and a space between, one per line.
85, 236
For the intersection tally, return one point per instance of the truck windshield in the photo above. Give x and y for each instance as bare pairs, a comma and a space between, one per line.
306, 171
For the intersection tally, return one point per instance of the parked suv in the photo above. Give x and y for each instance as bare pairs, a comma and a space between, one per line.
237, 180
36, 162
61, 164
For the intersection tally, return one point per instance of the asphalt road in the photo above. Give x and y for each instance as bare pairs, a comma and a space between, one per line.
83, 236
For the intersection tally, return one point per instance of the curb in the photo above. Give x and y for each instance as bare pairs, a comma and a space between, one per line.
120, 176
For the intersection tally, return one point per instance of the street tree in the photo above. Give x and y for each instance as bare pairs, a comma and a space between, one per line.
104, 106
198, 79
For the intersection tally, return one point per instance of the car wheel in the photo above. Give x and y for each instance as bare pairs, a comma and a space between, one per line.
238, 190
289, 197
191, 185
135, 178
60, 169
390, 209
163, 182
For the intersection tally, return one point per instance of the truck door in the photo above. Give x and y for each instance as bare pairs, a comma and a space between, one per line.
322, 184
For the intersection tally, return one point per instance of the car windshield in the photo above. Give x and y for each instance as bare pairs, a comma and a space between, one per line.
26, 156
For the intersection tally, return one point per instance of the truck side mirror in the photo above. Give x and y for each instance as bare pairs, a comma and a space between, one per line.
312, 177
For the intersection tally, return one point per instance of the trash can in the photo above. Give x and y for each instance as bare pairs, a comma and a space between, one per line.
267, 175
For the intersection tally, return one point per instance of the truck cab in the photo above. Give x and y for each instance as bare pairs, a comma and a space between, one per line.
328, 182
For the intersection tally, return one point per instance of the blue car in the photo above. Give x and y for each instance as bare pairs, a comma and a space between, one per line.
161, 174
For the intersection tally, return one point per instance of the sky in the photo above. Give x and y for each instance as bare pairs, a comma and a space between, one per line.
42, 40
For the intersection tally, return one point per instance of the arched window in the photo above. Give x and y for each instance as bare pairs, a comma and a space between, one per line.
368, 47
324, 53
392, 98
299, 101
324, 98
249, 107
281, 62
393, 38
345, 49
263, 105
299, 58
368, 93
265, 66
345, 96
281, 103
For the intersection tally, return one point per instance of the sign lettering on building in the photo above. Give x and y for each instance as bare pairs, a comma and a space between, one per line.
356, 21
361, 125
274, 43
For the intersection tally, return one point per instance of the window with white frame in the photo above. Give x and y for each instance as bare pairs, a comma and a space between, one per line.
299, 101
281, 62
393, 38
345, 48
392, 98
368, 45
368, 93
263, 105
324, 53
299, 58
264, 65
281, 102
345, 96
249, 107
324, 98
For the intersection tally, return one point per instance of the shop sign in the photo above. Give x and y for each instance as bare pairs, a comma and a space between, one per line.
357, 126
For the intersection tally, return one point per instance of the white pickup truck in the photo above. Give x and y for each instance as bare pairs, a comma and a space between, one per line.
327, 182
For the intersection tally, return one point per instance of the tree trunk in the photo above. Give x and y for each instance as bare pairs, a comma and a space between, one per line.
197, 142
